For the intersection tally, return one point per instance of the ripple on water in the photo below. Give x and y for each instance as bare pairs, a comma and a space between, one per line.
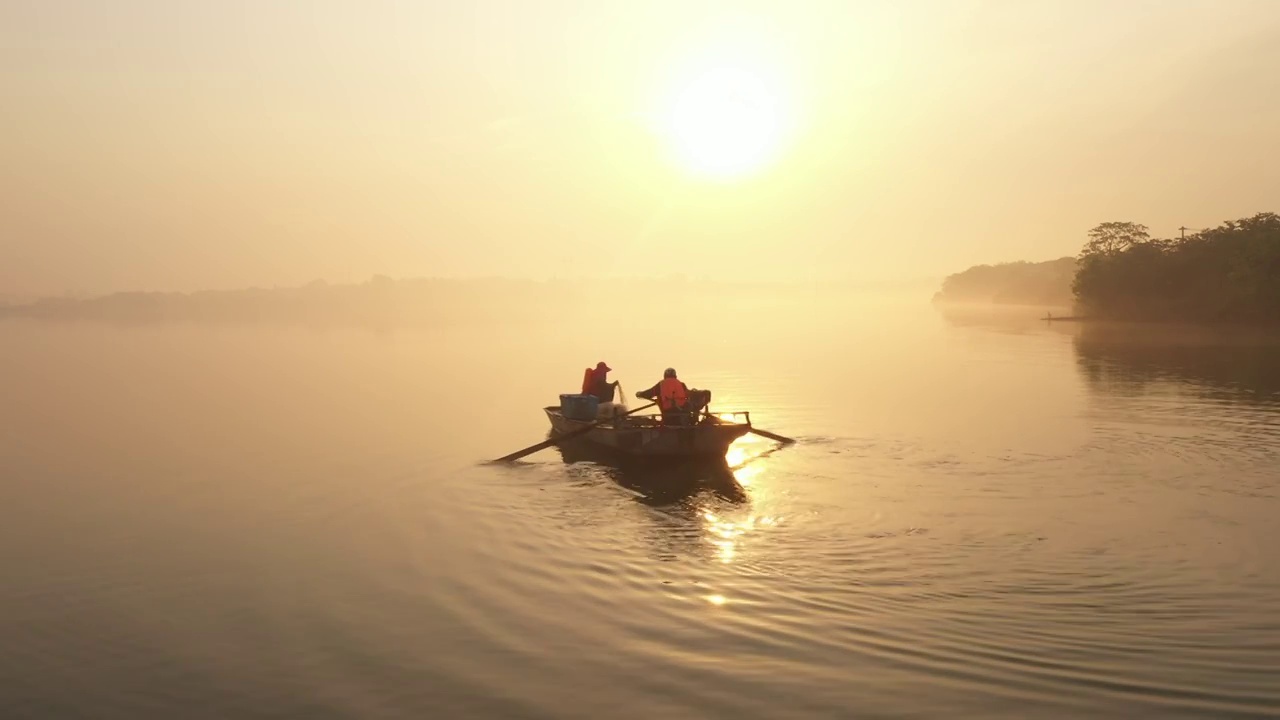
977, 610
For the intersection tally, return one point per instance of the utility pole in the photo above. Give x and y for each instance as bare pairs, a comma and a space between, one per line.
1183, 230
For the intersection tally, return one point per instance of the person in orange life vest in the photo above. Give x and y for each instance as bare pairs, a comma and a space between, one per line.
596, 382
677, 402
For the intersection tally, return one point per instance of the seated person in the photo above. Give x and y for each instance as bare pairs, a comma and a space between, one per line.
679, 404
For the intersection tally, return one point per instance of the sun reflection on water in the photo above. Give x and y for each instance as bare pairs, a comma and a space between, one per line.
738, 458
736, 455
727, 534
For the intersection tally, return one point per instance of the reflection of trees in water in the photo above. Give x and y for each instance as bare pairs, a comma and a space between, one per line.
1229, 365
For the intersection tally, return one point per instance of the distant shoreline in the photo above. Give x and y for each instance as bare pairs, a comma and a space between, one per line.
1031, 312
385, 301
1228, 276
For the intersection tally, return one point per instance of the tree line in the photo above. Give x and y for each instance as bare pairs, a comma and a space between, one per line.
1230, 273
1015, 283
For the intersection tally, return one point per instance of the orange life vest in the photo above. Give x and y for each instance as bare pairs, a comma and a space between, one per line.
672, 395
588, 378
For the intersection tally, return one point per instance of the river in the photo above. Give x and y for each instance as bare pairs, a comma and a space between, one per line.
985, 516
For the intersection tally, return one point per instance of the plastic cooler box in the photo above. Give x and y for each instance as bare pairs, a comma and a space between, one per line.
580, 407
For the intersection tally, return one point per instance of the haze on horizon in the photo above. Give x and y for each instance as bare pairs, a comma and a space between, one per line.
182, 145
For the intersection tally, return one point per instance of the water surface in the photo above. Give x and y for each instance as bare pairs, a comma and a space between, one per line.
984, 517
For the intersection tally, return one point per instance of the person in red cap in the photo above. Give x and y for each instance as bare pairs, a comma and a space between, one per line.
596, 382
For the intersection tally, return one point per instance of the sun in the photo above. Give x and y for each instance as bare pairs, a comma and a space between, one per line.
725, 123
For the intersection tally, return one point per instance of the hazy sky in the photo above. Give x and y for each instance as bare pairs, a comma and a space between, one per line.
169, 144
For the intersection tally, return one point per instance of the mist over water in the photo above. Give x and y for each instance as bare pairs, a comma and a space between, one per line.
986, 516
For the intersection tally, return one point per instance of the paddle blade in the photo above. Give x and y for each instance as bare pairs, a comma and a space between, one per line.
773, 436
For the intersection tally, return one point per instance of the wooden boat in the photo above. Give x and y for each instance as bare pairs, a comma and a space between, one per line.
657, 481
706, 436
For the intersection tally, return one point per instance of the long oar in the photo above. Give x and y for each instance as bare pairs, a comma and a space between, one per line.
561, 438
773, 436
765, 433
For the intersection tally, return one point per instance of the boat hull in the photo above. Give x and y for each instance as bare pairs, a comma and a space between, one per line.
650, 439
659, 481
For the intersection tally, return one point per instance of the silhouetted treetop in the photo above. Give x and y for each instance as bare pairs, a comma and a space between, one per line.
1110, 238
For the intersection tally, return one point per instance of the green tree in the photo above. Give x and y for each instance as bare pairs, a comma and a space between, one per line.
1230, 273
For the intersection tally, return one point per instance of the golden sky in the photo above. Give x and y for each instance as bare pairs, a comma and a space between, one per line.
178, 145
